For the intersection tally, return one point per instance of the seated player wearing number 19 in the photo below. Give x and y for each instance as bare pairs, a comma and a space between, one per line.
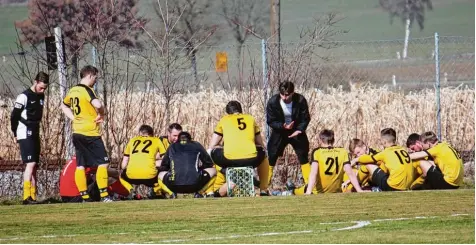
395, 158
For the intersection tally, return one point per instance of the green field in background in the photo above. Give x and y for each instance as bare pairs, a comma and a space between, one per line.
406, 217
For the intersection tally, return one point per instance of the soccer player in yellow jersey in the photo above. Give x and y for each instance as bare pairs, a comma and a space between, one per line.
395, 158
414, 145
328, 164
243, 145
82, 106
173, 131
358, 148
448, 171
141, 159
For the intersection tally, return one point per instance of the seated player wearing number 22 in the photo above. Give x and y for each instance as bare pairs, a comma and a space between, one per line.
141, 160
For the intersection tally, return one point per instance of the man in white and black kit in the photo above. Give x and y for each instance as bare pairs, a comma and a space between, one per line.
25, 124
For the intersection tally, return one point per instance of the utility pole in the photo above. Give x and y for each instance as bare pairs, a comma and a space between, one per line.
276, 33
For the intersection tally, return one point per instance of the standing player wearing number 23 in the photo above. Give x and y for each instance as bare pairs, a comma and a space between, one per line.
86, 111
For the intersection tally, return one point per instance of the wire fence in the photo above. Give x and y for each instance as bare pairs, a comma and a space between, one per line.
146, 86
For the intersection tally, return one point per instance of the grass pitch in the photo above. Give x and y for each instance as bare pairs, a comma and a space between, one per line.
407, 217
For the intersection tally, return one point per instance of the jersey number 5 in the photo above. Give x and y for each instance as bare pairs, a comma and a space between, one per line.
329, 163
147, 144
75, 105
241, 124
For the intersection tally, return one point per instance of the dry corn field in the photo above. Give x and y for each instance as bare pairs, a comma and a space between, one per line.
360, 113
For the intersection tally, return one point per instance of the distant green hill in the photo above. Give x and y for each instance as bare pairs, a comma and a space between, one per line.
362, 18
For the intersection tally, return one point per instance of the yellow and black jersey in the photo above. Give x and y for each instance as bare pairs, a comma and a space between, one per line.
449, 161
238, 131
142, 152
164, 140
397, 160
79, 100
330, 162
419, 179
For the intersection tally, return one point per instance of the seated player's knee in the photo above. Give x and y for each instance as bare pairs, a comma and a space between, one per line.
162, 175
211, 171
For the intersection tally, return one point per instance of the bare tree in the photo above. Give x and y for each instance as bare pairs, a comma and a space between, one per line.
189, 22
409, 11
245, 17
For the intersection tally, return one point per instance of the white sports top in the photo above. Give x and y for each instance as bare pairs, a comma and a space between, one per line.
288, 110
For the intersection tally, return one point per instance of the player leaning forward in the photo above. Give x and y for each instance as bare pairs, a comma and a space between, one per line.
25, 124
86, 111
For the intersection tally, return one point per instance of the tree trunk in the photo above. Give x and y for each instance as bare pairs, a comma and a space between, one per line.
407, 37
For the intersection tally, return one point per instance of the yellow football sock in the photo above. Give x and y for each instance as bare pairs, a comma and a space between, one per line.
270, 173
306, 170
33, 192
165, 188
220, 179
80, 179
208, 188
101, 180
126, 184
300, 191
26, 189
263, 173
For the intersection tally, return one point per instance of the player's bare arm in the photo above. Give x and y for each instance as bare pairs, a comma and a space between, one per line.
352, 177
67, 111
125, 161
100, 110
312, 177
214, 141
418, 155
158, 159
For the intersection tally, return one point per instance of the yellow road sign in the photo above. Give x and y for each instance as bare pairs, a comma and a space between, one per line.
221, 64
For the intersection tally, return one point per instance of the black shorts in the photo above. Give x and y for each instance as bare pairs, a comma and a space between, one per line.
30, 148
219, 159
147, 182
280, 139
435, 179
379, 178
90, 151
202, 181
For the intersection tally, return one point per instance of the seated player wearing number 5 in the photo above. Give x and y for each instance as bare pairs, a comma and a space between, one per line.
243, 145
448, 172
86, 111
328, 164
141, 159
187, 168
395, 158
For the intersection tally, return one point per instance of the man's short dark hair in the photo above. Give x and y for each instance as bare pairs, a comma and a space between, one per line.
184, 137
146, 129
233, 107
88, 70
327, 136
412, 139
286, 87
389, 134
42, 77
175, 126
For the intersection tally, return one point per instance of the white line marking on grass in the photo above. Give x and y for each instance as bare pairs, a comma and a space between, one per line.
359, 224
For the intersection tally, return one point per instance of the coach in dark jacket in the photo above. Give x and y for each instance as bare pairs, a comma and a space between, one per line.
287, 113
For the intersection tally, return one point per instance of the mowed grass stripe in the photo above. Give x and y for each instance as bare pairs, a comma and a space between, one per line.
191, 219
